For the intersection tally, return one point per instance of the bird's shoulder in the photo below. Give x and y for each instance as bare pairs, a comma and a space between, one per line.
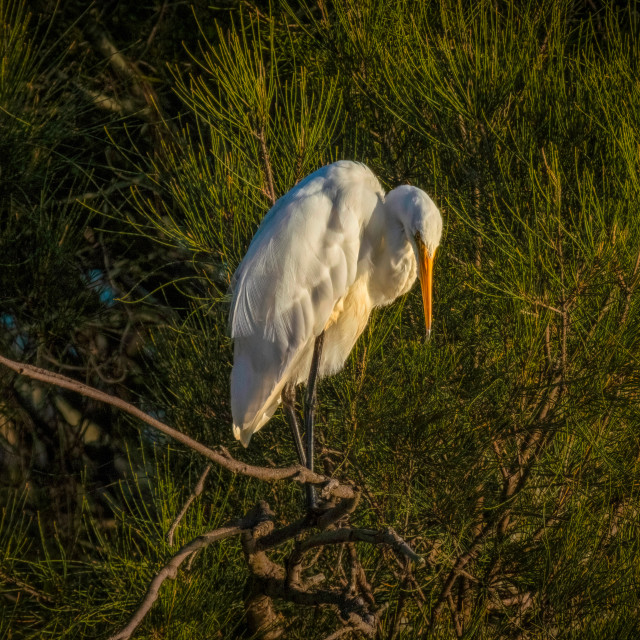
304, 255
328, 205
347, 174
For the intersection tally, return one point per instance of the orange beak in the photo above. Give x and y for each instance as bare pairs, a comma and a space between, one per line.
426, 282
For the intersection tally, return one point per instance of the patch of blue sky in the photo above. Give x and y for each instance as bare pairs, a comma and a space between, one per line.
96, 281
8, 321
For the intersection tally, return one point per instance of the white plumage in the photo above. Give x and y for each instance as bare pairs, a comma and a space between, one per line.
327, 253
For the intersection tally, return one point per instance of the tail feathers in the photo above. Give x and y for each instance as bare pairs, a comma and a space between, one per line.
245, 431
244, 435
256, 385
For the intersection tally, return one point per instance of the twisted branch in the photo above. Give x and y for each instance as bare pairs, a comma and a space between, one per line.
268, 579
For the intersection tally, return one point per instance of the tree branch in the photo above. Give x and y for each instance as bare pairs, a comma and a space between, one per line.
197, 490
170, 570
222, 457
340, 536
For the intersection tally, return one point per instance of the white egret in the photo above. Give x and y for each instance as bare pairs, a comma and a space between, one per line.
327, 253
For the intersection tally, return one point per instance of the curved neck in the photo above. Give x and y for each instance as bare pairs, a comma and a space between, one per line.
390, 256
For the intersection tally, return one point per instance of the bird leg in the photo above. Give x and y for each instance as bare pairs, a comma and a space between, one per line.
289, 404
309, 414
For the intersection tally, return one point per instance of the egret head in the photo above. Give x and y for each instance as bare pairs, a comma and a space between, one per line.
422, 224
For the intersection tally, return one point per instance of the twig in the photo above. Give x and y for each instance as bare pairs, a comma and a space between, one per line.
296, 473
154, 31
197, 490
539, 303
464, 604
552, 175
109, 103
127, 70
340, 536
101, 193
459, 564
360, 576
454, 615
25, 588
322, 521
116, 58
170, 570
547, 346
270, 580
503, 470
387, 537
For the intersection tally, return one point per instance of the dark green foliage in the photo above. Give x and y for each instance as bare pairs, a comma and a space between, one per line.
506, 448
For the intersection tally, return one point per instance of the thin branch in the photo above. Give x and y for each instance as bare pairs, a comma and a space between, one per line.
360, 576
539, 303
115, 57
455, 572
344, 535
170, 570
322, 521
222, 457
197, 490
340, 536
109, 103
547, 346
272, 581
503, 470
141, 87
154, 31
454, 615
25, 588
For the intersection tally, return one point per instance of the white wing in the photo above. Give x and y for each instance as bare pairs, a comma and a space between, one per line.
301, 261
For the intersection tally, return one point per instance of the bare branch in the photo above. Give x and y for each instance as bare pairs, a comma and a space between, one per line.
547, 346
539, 303
455, 572
454, 615
503, 470
115, 57
197, 490
346, 535
170, 570
257, 529
272, 581
340, 536
25, 588
296, 473
360, 576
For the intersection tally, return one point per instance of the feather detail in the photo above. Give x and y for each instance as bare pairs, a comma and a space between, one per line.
299, 265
